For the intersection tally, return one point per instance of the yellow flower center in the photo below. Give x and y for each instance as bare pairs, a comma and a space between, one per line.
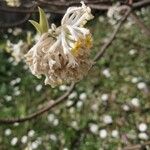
85, 43
75, 50
88, 41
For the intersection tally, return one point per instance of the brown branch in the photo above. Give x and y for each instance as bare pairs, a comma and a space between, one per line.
141, 25
16, 23
41, 111
23, 20
62, 98
141, 3
137, 147
112, 37
99, 6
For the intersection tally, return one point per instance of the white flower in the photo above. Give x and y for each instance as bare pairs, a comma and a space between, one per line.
16, 93
8, 98
142, 127
125, 107
24, 139
62, 54
51, 117
74, 124
143, 136
38, 87
14, 141
55, 122
13, 3
103, 133
79, 104
53, 137
73, 95
69, 103
141, 85
134, 80
135, 102
94, 107
17, 31
115, 133
132, 52
107, 119
34, 145
101, 18
106, 73
17, 50
94, 128
7, 132
16, 124
83, 96
104, 97
31, 133
72, 110
114, 12
63, 88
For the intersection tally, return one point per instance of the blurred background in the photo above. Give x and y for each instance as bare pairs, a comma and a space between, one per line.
108, 110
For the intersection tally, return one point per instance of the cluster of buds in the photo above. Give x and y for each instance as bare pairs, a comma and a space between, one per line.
115, 12
62, 53
16, 50
13, 3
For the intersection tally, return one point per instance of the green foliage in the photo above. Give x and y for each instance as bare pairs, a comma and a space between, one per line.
68, 126
42, 26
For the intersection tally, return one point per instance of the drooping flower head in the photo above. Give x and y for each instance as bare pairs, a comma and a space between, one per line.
62, 53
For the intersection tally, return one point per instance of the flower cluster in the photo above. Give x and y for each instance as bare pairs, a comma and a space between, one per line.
62, 53
13, 3
17, 50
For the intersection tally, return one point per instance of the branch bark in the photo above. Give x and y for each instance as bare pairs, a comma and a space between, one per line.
140, 23
138, 146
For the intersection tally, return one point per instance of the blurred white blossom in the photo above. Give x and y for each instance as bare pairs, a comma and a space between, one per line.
94, 128
115, 133
79, 104
38, 87
107, 119
31, 133
53, 137
17, 50
132, 52
106, 73
24, 139
73, 95
135, 102
125, 107
14, 141
51, 117
103, 133
142, 127
143, 136
134, 80
104, 97
83, 96
7, 132
141, 85
13, 3
63, 87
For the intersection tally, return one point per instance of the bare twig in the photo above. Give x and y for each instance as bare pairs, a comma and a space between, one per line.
99, 6
23, 20
137, 146
112, 37
141, 25
41, 111
62, 98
